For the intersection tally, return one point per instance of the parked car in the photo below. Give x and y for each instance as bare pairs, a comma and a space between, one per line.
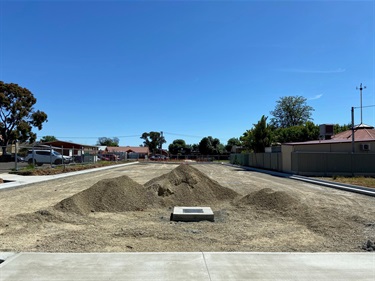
47, 156
103, 157
20, 159
108, 157
10, 157
158, 157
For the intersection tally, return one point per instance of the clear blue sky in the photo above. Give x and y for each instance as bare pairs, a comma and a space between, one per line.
188, 68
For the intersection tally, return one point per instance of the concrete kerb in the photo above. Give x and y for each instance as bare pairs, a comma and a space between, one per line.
341, 186
16, 181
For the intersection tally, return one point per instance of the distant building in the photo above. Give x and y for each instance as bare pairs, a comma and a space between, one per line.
341, 144
138, 151
326, 157
80, 152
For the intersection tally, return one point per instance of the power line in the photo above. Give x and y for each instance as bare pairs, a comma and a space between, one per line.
131, 136
183, 135
365, 106
128, 136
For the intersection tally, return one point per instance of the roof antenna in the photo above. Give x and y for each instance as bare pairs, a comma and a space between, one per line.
360, 91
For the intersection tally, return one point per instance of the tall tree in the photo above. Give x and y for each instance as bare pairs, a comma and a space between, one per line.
291, 111
307, 132
210, 146
153, 140
179, 146
108, 141
259, 137
17, 115
48, 139
262, 135
247, 139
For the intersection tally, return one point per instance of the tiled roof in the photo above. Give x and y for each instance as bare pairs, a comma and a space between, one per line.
136, 149
361, 134
67, 143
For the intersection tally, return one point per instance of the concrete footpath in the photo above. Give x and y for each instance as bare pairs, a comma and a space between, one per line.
206, 266
16, 181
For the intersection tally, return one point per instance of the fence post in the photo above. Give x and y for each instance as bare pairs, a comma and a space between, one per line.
15, 153
50, 155
33, 156
62, 154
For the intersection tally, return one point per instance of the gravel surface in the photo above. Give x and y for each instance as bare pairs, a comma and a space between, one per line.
128, 209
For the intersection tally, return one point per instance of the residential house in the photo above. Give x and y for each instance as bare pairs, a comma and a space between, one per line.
132, 152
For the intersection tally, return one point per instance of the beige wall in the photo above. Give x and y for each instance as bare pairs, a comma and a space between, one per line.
334, 147
286, 152
332, 163
314, 160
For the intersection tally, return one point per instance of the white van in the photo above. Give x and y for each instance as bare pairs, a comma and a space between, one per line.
46, 156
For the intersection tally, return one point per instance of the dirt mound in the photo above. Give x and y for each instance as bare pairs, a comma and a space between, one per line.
109, 195
187, 186
270, 199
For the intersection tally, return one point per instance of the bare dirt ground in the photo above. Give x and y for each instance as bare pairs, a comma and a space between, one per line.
127, 209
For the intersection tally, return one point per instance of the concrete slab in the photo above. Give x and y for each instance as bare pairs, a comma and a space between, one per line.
104, 266
291, 266
188, 266
192, 214
16, 181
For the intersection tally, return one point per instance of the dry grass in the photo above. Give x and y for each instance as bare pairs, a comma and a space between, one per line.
361, 181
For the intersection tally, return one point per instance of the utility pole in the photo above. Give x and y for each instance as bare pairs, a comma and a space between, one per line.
353, 147
360, 91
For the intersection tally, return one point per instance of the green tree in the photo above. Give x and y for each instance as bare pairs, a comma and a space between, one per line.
312, 131
17, 115
259, 137
232, 142
108, 141
291, 111
246, 139
307, 132
48, 139
341, 128
179, 146
210, 146
153, 140
194, 148
262, 135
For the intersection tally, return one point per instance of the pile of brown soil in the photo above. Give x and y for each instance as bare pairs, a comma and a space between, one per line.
325, 221
187, 186
184, 186
270, 199
110, 195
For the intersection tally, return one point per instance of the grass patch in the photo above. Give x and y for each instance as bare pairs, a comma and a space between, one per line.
361, 181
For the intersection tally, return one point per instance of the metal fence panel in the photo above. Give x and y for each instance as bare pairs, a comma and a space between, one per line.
333, 163
312, 163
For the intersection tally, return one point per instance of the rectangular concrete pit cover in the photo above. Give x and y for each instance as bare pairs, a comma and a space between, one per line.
192, 214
